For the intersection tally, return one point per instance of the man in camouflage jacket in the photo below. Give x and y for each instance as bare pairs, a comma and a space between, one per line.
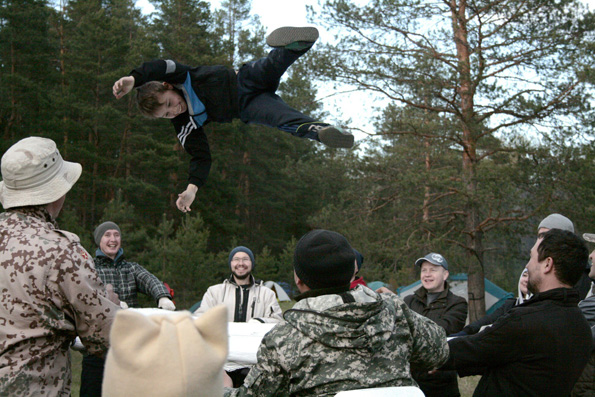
49, 291
335, 339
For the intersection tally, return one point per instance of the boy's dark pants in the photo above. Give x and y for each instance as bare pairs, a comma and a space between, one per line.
257, 83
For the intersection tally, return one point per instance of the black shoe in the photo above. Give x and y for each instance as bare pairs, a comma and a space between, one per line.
291, 38
335, 137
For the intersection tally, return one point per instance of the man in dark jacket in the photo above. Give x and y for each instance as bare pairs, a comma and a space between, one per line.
585, 386
541, 346
194, 96
435, 301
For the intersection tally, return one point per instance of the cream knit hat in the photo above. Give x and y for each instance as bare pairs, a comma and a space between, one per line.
169, 354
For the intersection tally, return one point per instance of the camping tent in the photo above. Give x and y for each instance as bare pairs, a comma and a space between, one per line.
495, 296
279, 291
374, 285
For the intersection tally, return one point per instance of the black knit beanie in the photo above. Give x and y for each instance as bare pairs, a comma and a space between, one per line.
241, 249
324, 259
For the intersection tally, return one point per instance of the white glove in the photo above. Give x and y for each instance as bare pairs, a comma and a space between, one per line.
166, 303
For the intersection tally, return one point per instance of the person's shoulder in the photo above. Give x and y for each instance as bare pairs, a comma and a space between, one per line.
283, 337
409, 298
216, 287
456, 299
69, 237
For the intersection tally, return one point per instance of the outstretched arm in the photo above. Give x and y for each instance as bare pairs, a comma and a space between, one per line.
123, 86
186, 198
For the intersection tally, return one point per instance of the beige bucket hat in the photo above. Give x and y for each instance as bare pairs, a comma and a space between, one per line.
34, 173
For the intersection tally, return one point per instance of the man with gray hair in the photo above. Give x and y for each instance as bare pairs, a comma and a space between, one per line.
49, 290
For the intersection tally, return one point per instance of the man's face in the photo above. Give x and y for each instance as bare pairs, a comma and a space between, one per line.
534, 270
110, 243
173, 104
241, 266
433, 277
592, 272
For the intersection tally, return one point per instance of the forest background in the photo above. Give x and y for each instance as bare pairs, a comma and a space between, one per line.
488, 127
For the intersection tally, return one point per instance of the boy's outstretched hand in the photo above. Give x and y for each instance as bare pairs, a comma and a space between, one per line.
123, 86
186, 198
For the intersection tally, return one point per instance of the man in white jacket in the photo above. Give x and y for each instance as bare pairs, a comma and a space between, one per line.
246, 298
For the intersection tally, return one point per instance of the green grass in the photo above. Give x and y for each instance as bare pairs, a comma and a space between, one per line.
76, 365
467, 385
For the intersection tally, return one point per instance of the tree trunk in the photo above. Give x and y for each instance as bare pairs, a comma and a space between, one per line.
475, 283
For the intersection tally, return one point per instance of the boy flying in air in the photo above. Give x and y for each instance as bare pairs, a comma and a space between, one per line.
192, 97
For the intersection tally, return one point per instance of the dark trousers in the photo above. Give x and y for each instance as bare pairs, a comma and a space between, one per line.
92, 376
238, 376
257, 83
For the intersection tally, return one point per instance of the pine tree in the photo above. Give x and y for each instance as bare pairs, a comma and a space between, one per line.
491, 69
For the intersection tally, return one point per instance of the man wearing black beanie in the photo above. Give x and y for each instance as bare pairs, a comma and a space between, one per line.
337, 339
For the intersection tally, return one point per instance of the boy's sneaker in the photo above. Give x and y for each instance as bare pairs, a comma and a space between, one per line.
291, 38
335, 137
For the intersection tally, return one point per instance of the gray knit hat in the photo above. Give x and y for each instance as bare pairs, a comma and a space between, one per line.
556, 221
101, 229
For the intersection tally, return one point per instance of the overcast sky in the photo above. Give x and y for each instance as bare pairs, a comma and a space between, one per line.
277, 13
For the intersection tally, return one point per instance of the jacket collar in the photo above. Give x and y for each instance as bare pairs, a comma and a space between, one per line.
323, 291
253, 281
566, 296
422, 293
36, 211
119, 256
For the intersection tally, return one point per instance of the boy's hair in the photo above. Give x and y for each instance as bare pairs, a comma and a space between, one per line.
147, 97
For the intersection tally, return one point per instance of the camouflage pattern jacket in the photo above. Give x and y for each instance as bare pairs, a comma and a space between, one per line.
49, 293
352, 340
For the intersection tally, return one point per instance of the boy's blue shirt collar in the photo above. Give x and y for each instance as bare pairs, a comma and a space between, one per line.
99, 252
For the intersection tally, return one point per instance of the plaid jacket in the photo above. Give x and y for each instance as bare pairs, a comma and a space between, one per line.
128, 278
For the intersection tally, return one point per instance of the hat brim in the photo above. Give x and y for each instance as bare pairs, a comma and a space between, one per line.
46, 193
420, 261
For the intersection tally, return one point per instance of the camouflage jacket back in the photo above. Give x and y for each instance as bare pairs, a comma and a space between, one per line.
355, 340
49, 293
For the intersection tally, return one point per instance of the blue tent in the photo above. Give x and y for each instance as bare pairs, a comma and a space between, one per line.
495, 296
374, 285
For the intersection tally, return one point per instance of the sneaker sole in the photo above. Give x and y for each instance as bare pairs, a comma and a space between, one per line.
333, 137
284, 36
